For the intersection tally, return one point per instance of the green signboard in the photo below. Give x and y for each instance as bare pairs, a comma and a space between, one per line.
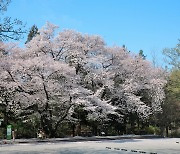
1, 120
9, 128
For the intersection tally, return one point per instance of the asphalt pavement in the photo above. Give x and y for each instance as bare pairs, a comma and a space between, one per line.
77, 139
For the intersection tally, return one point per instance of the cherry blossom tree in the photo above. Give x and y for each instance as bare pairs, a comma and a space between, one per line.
7, 85
81, 52
44, 85
54, 74
138, 87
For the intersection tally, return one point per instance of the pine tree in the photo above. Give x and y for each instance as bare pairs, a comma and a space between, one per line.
142, 54
32, 33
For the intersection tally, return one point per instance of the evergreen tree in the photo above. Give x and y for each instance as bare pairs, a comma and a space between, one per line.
170, 117
32, 33
142, 54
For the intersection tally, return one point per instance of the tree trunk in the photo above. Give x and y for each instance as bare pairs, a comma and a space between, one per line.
95, 130
167, 132
138, 122
73, 130
125, 123
78, 129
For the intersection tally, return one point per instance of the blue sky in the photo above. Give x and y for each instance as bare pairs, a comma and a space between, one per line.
150, 25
